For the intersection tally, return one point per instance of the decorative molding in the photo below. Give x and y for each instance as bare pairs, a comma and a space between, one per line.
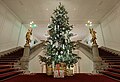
3, 4
110, 12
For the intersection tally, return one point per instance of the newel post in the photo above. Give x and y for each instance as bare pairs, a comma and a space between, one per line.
96, 59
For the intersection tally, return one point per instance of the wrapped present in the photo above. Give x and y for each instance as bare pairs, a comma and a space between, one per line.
49, 70
70, 71
63, 67
58, 72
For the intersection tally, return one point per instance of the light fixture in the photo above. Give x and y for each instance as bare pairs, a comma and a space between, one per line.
32, 24
89, 24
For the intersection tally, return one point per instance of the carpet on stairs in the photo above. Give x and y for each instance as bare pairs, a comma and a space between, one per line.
112, 60
8, 62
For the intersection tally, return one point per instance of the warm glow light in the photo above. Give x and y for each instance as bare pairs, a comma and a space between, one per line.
32, 24
47, 9
89, 23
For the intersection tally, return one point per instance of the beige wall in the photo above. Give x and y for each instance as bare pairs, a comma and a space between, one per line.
86, 65
34, 64
111, 28
10, 29
108, 32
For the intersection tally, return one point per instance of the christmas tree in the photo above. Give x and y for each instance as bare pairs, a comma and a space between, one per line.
59, 46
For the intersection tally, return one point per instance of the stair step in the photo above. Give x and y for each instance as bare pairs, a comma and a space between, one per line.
110, 56
113, 70
112, 60
9, 74
7, 70
11, 57
8, 60
7, 63
115, 66
111, 74
5, 66
114, 63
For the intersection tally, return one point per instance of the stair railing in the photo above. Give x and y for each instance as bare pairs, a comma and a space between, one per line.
30, 53
35, 50
86, 49
93, 54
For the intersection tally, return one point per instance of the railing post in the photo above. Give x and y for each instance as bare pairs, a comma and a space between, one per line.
96, 58
25, 59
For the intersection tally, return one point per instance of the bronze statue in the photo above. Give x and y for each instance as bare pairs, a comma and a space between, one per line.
93, 33
28, 34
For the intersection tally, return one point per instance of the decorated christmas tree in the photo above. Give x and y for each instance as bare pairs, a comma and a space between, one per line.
59, 45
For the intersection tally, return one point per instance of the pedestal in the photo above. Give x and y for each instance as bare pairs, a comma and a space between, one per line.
25, 59
96, 58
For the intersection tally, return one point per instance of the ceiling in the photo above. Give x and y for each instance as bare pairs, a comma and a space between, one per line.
79, 11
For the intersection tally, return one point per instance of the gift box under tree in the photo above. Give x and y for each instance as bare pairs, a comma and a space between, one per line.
58, 72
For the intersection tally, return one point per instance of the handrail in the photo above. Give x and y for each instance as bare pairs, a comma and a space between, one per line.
86, 49
35, 47
85, 46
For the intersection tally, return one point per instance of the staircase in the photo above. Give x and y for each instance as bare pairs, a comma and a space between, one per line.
9, 63
111, 59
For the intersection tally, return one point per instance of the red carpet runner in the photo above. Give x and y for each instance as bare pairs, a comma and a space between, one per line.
76, 78
112, 62
9, 63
